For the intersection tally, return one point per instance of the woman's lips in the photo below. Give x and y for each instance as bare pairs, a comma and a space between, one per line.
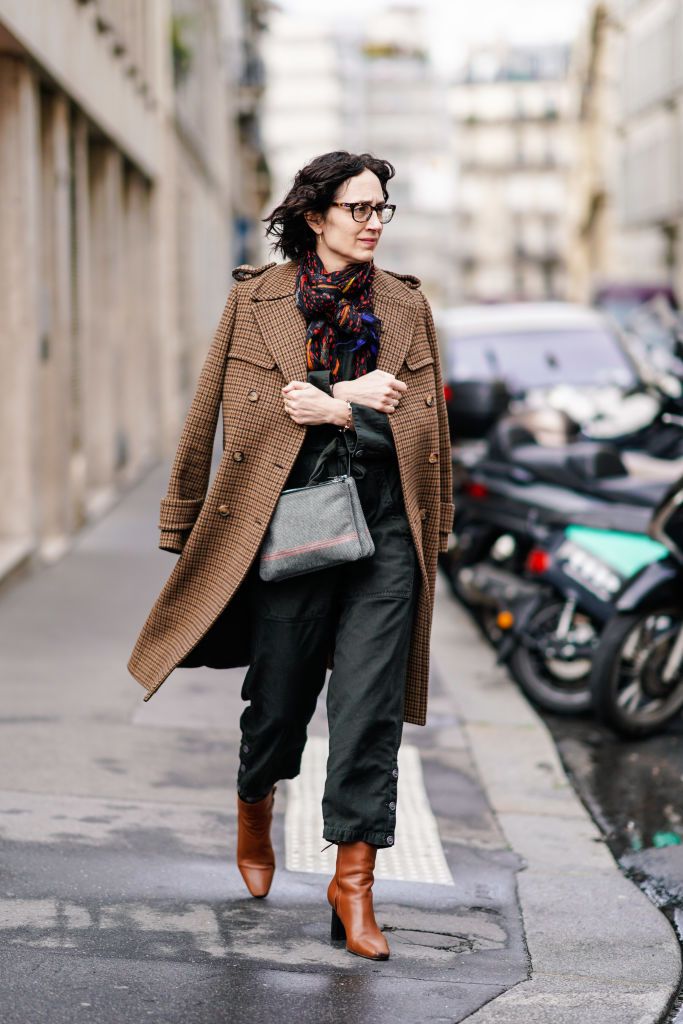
368, 241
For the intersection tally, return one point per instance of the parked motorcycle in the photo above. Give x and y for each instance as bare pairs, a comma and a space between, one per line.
637, 675
515, 508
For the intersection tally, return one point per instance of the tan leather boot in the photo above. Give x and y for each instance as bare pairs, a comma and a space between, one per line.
350, 896
255, 856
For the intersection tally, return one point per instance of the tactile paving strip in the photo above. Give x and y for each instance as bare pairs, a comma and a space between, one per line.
417, 855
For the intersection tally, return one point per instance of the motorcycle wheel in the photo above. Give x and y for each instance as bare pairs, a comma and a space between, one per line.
553, 681
629, 693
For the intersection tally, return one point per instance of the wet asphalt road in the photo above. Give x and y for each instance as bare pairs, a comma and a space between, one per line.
634, 792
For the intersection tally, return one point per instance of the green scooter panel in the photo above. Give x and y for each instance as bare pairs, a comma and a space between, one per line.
628, 553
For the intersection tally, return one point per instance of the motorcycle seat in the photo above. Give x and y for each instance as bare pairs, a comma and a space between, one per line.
510, 441
633, 491
589, 467
572, 464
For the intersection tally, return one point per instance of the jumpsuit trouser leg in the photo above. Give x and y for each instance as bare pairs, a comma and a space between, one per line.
365, 609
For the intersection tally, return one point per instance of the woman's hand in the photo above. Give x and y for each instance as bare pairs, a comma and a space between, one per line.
378, 390
308, 405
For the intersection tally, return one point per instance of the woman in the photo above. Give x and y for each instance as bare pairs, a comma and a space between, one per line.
312, 357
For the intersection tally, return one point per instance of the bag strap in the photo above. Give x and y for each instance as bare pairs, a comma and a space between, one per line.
329, 450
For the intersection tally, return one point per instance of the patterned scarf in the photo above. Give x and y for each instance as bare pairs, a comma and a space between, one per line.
338, 307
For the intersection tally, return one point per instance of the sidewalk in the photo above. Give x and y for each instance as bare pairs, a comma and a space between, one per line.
120, 898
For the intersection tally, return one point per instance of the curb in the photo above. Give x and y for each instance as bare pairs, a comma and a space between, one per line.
600, 950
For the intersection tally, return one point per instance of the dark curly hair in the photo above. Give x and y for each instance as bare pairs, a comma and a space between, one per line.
313, 189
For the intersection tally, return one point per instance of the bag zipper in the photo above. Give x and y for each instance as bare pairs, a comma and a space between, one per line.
307, 486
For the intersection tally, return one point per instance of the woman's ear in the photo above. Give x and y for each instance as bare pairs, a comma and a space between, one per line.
314, 221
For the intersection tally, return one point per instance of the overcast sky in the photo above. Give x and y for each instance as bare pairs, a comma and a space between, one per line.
454, 24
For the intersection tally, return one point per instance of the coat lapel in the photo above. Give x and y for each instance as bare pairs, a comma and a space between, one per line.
283, 326
397, 308
280, 321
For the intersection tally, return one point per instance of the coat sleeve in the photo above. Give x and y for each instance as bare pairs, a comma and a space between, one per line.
192, 463
447, 508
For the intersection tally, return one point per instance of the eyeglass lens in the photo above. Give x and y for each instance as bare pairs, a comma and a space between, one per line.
364, 212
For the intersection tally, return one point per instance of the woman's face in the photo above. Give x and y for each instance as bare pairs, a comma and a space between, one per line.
341, 240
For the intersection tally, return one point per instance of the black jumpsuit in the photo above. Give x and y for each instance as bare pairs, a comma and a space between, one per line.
365, 609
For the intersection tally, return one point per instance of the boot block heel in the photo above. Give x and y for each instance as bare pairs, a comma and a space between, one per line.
337, 929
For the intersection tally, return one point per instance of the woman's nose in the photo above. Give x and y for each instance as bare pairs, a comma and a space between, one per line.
378, 223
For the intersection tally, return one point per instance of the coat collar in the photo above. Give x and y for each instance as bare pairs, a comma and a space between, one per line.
283, 325
280, 281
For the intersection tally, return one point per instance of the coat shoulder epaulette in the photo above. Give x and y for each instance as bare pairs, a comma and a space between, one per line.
409, 279
245, 271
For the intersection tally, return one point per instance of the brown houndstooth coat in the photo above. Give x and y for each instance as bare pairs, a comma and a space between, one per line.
199, 618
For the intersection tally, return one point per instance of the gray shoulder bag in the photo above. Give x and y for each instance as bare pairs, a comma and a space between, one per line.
316, 526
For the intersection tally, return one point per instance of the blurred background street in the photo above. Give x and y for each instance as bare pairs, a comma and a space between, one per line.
538, 147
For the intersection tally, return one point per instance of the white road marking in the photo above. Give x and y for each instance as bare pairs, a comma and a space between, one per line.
417, 855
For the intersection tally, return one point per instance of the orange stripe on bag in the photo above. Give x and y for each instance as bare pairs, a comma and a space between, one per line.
310, 547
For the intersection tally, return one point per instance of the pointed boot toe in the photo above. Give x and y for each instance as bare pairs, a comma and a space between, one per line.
257, 880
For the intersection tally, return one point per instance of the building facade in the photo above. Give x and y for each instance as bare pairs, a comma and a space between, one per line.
651, 180
596, 251
370, 89
119, 141
515, 135
407, 122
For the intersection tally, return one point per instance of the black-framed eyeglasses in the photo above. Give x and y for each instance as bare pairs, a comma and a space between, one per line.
363, 211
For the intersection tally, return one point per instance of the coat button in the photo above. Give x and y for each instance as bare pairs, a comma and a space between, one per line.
390, 840
392, 805
433, 457
429, 400
423, 513
395, 773
253, 396
245, 748
223, 510
238, 456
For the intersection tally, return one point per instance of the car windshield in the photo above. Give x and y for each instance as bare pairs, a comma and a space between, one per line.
540, 359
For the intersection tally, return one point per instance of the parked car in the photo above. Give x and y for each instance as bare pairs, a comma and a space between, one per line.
526, 351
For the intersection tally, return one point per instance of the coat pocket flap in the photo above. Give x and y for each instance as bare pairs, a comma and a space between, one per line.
419, 355
179, 513
258, 355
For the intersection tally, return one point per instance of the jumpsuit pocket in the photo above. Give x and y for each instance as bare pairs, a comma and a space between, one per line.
390, 492
392, 499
